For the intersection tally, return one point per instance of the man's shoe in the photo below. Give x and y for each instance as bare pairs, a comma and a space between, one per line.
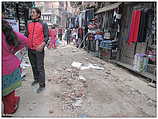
34, 83
40, 89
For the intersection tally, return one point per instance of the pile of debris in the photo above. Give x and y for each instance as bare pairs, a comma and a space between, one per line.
73, 87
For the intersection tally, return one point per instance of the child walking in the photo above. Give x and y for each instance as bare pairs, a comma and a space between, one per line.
52, 34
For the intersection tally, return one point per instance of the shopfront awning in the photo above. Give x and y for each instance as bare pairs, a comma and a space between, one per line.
108, 7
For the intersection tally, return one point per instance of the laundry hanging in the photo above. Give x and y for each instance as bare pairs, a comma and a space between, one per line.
134, 27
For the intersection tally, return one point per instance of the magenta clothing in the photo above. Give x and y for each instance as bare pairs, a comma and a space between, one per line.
53, 34
9, 61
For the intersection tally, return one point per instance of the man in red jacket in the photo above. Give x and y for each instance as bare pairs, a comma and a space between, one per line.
37, 32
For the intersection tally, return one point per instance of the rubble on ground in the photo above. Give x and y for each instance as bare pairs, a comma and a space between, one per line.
75, 92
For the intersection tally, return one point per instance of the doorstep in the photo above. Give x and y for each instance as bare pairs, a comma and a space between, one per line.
145, 74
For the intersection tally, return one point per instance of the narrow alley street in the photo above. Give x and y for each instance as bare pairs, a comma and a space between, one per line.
100, 59
110, 91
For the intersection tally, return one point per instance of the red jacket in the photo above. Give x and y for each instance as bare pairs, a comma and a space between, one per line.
37, 33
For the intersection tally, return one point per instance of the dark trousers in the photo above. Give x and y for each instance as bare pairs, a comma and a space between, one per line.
68, 40
37, 63
91, 45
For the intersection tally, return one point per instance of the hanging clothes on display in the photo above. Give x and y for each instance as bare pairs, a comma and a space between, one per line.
134, 27
76, 22
80, 33
104, 25
80, 20
143, 25
89, 16
73, 22
98, 38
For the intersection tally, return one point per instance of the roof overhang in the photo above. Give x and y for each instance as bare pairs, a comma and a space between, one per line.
108, 7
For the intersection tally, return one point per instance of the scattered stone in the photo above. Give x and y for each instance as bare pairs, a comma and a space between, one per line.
64, 77
85, 85
49, 79
117, 79
137, 91
68, 70
76, 64
106, 77
70, 79
51, 111
108, 72
78, 93
74, 50
82, 79
78, 103
64, 67
61, 80
59, 70
69, 83
55, 72
102, 63
30, 108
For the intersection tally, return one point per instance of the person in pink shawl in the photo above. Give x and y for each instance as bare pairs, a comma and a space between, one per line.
11, 77
53, 35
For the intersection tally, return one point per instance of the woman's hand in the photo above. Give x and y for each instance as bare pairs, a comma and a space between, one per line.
40, 47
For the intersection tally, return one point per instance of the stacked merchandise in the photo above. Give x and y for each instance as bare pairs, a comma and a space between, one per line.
9, 9
23, 15
108, 44
108, 49
98, 38
140, 62
18, 11
151, 67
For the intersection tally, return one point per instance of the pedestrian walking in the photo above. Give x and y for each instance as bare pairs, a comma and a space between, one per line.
74, 36
11, 75
64, 37
68, 35
53, 35
38, 36
80, 36
60, 34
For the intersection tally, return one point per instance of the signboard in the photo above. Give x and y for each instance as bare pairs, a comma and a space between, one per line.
14, 24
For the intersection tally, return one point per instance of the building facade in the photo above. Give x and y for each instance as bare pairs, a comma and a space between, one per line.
55, 13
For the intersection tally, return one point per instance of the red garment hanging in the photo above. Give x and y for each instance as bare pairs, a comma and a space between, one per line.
134, 27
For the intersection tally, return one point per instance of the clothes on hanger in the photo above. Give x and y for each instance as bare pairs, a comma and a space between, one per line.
144, 20
134, 27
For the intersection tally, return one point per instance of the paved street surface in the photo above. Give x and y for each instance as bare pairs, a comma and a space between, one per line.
72, 92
